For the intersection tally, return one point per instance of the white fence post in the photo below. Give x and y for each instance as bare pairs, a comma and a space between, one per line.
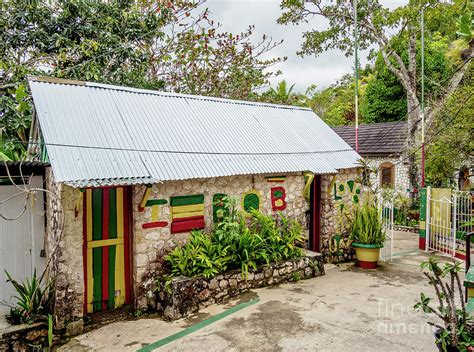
455, 215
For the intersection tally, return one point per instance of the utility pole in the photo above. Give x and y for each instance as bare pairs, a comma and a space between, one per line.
356, 79
422, 98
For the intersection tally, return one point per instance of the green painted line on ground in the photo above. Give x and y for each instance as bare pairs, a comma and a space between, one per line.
197, 326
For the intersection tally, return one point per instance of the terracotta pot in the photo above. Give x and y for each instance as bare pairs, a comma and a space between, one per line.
367, 254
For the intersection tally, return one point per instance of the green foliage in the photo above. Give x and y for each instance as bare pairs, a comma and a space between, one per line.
234, 244
33, 300
173, 46
457, 330
367, 225
282, 95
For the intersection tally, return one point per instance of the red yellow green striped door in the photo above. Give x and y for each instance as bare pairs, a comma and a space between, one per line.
106, 248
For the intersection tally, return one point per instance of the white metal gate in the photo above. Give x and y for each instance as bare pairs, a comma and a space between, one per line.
449, 216
387, 213
21, 240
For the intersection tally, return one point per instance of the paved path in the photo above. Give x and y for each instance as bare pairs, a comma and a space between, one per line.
348, 309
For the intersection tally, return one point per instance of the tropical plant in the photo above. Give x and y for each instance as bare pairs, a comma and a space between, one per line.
367, 225
33, 300
457, 331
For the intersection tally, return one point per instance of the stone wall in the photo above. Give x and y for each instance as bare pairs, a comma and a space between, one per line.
339, 193
186, 296
151, 244
64, 254
402, 181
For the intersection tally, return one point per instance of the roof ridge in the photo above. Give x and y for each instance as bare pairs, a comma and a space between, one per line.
55, 80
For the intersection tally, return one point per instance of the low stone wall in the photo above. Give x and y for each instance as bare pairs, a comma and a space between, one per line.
185, 295
24, 337
413, 229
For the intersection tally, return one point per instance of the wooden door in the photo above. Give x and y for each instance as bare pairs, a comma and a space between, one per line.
107, 248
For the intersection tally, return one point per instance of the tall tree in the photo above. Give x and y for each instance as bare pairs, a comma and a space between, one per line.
384, 29
169, 45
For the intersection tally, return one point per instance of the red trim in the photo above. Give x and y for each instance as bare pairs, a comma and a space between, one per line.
84, 248
105, 250
367, 265
274, 199
127, 244
185, 226
422, 243
316, 214
197, 217
150, 225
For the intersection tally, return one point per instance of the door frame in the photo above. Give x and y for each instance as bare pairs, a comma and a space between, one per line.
128, 249
315, 215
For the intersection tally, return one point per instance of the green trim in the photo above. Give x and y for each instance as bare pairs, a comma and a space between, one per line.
97, 214
151, 202
198, 326
470, 306
469, 279
112, 213
111, 303
364, 245
97, 277
187, 200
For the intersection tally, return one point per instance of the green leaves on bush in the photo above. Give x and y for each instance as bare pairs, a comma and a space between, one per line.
367, 226
33, 300
235, 244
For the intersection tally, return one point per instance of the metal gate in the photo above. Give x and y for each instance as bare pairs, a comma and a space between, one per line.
21, 240
449, 215
387, 213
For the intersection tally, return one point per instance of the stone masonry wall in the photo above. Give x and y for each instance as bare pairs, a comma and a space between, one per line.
64, 254
402, 181
150, 244
186, 295
341, 190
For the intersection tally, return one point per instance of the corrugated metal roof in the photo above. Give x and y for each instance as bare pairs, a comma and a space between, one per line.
98, 134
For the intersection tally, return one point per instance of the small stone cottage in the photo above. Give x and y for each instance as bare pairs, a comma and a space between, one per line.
382, 146
134, 171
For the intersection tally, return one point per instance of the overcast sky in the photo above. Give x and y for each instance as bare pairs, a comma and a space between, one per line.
236, 15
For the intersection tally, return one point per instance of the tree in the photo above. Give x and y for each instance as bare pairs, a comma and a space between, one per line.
170, 45
282, 94
375, 25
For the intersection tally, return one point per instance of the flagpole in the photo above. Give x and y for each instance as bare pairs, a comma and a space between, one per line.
422, 98
356, 79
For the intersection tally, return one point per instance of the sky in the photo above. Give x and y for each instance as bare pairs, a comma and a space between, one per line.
236, 15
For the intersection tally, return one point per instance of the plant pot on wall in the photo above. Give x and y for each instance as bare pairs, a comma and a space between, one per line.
367, 254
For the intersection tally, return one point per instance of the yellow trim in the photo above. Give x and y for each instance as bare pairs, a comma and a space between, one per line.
119, 275
422, 225
470, 292
252, 191
89, 214
155, 212
104, 243
119, 196
331, 184
367, 254
145, 197
187, 208
90, 282
187, 215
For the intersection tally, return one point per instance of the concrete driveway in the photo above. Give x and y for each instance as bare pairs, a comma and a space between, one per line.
348, 309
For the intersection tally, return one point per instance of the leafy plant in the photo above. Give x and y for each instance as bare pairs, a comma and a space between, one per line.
367, 225
33, 300
457, 330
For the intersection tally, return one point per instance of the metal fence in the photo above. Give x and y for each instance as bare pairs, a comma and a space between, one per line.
387, 212
449, 219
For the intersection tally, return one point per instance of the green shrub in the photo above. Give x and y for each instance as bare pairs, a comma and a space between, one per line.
367, 226
33, 300
236, 244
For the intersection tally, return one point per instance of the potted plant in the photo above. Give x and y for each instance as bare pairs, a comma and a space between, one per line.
367, 235
456, 333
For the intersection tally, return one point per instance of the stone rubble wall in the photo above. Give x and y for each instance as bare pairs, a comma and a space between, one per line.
186, 295
64, 242
335, 245
150, 245
402, 180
